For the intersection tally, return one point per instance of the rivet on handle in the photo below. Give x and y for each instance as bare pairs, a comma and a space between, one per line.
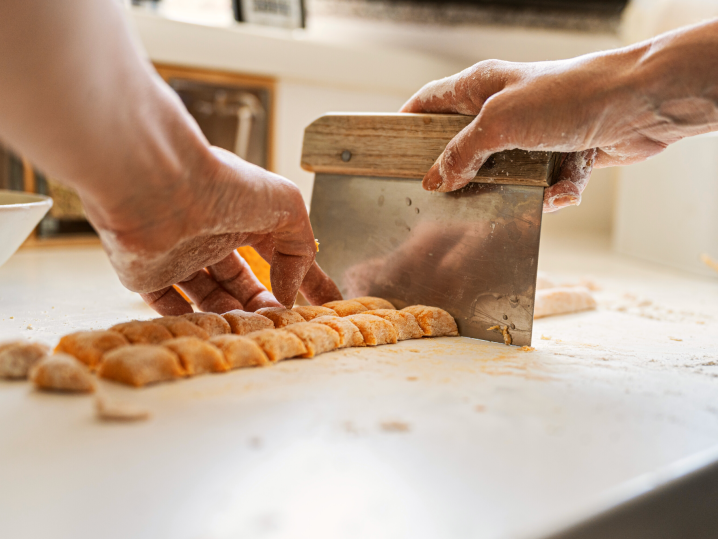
346, 155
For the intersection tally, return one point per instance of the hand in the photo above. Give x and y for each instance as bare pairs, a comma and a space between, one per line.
606, 109
190, 235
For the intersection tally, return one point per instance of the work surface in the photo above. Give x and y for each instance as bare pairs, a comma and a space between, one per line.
431, 438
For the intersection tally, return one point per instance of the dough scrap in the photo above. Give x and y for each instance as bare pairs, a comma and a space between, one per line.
434, 322
243, 322
143, 332
349, 334
108, 410
280, 316
311, 312
17, 358
141, 364
181, 327
212, 323
62, 372
374, 329
197, 356
504, 330
90, 346
562, 300
374, 304
346, 307
406, 325
240, 352
317, 338
278, 344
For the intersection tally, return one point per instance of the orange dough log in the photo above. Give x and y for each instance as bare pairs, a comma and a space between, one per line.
17, 358
280, 316
375, 330
346, 307
89, 346
562, 300
278, 344
240, 352
212, 323
197, 356
181, 327
406, 325
141, 364
138, 332
373, 304
349, 334
317, 338
243, 322
62, 372
313, 311
434, 322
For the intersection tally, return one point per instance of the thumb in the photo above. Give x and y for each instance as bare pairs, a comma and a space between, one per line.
462, 158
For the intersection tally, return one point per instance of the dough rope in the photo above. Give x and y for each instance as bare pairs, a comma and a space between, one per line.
140, 353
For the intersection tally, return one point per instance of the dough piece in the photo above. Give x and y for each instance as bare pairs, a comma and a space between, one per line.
278, 344
313, 311
406, 325
89, 346
543, 281
374, 304
317, 338
243, 322
240, 352
562, 300
281, 316
349, 334
197, 356
62, 372
504, 330
212, 323
141, 364
138, 332
434, 322
108, 410
346, 307
375, 330
17, 358
181, 327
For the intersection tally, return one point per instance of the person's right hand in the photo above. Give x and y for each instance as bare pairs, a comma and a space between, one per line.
605, 109
185, 234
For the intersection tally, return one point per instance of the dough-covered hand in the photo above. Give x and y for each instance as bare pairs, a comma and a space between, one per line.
187, 237
605, 109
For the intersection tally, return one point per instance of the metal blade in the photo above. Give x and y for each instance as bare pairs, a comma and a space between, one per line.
473, 252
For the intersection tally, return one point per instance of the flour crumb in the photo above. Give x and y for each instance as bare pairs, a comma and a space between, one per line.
395, 426
675, 339
545, 337
527, 349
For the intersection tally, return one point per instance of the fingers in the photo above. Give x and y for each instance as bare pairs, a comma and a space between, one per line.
462, 158
318, 288
573, 178
207, 294
236, 277
167, 302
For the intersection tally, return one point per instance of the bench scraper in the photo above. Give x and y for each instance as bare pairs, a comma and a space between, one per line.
473, 252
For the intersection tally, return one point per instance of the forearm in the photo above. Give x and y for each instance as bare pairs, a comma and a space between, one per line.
81, 103
676, 79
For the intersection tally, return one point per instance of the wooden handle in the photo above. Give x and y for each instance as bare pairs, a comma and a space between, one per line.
406, 145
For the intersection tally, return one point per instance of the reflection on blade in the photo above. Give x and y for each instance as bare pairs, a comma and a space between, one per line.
473, 252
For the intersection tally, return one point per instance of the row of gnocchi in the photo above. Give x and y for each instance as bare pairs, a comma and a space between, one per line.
139, 353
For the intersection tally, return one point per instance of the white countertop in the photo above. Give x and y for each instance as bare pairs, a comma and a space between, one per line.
487, 441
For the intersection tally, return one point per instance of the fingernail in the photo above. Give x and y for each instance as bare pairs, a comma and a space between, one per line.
432, 180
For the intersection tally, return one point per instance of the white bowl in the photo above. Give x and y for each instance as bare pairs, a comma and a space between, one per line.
19, 215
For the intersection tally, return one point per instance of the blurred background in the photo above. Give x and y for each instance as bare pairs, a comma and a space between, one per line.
254, 73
